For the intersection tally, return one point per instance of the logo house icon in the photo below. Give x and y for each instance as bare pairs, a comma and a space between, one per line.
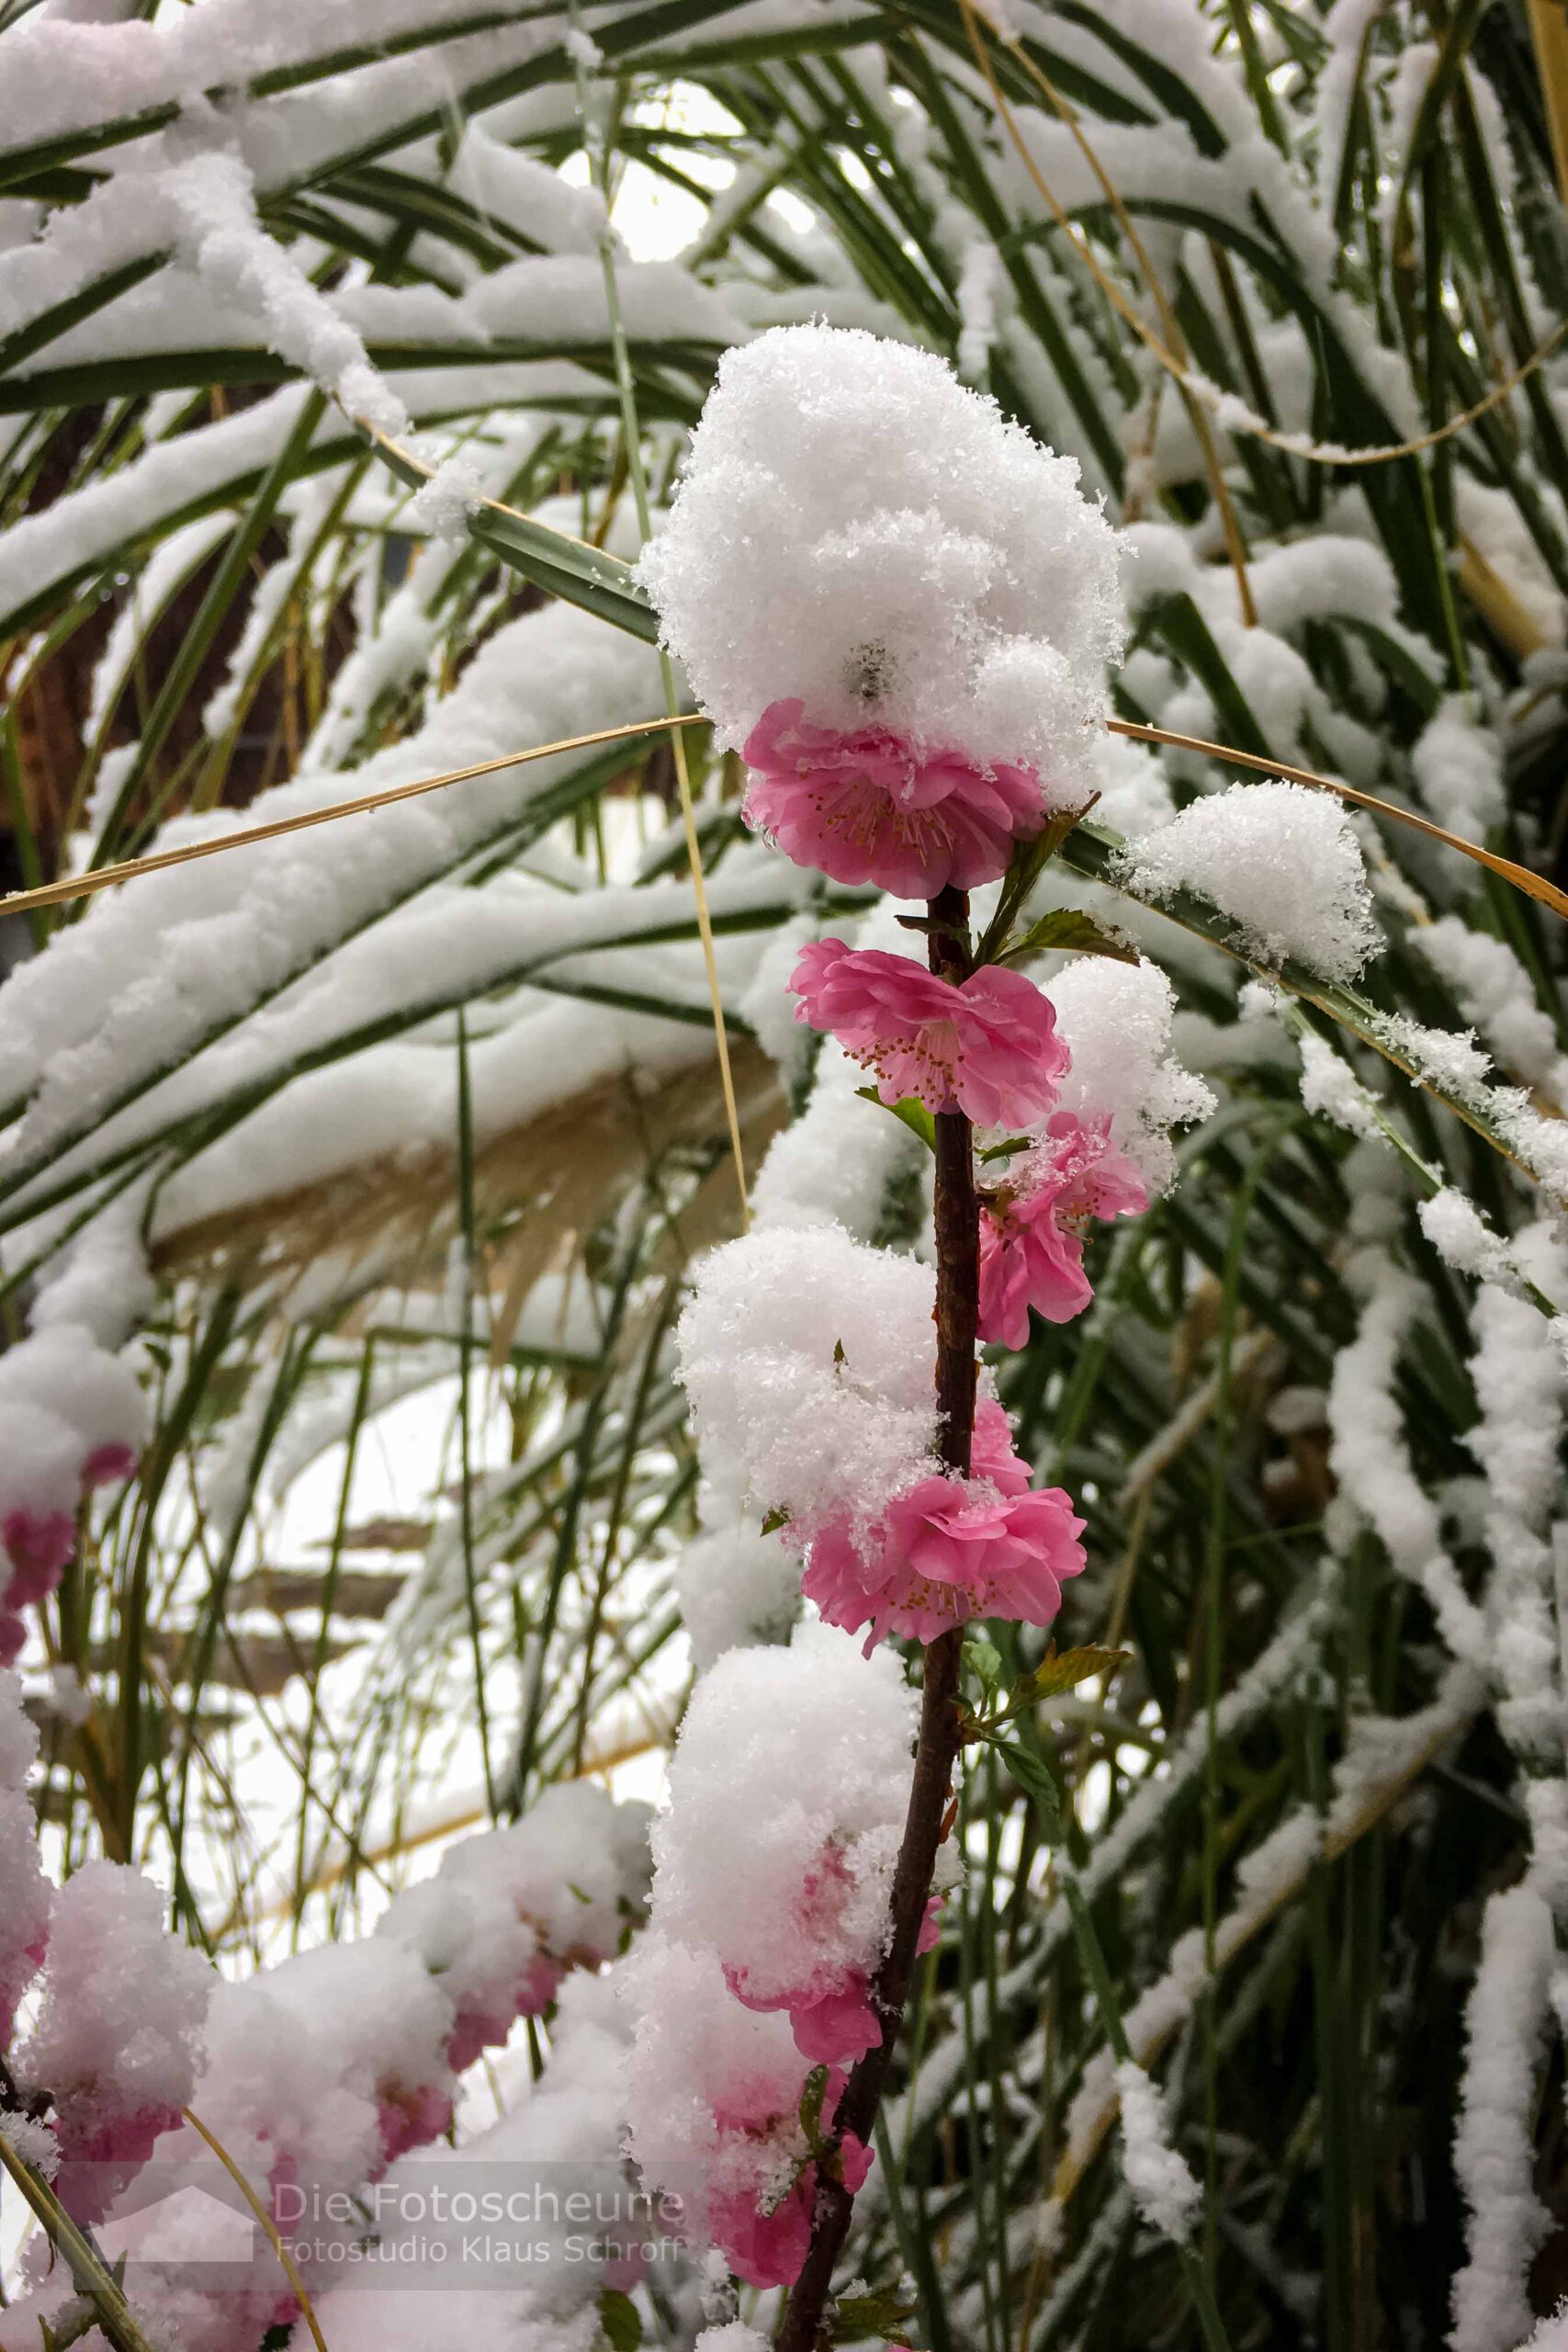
189, 2225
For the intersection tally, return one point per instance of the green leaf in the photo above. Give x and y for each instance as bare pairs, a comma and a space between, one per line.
1035, 1777
911, 1110
1060, 1670
811, 2099
1069, 928
568, 568
620, 2320
983, 1657
884, 2314
777, 1518
1027, 863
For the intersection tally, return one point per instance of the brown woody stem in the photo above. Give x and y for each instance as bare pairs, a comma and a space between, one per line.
957, 1317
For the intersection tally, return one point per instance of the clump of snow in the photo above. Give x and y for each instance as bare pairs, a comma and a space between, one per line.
1461, 1237
1162, 2188
735, 1585
1281, 860
1116, 1019
1330, 1087
807, 1361
119, 2031
787, 1757
440, 509
1494, 991
856, 529
1457, 764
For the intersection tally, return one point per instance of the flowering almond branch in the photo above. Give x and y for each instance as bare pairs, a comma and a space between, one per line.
957, 1221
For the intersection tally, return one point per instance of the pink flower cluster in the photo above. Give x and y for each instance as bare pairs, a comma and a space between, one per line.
872, 807
987, 1047
1032, 1228
950, 1549
831, 2015
765, 2238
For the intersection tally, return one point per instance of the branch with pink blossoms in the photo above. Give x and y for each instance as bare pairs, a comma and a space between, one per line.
957, 1222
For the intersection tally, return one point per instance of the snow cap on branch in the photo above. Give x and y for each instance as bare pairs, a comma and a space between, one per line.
877, 560
1116, 1019
1281, 860
807, 1360
787, 1795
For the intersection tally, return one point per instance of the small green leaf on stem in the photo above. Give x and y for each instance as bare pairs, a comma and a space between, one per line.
811, 2099
911, 1110
884, 2314
1070, 929
1059, 1670
620, 2322
778, 1517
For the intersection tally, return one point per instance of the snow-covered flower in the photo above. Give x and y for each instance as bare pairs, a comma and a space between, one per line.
951, 1548
858, 533
867, 805
987, 1046
1032, 1226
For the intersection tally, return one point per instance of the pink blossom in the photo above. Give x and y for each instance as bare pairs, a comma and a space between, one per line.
1031, 1230
950, 1549
408, 2119
869, 807
109, 1465
38, 1544
987, 1047
831, 2016
765, 2237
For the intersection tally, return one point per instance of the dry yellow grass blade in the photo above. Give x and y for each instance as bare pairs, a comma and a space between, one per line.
78, 886
1535, 885
1236, 544
1549, 30
264, 2218
1200, 392
105, 878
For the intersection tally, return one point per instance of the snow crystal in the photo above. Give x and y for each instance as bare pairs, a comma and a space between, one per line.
1117, 1020
808, 1358
856, 529
1281, 860
1458, 767
733, 2336
784, 1756
1163, 2189
33, 2141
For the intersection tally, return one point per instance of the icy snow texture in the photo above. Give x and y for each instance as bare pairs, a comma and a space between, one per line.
1520, 1380
779, 1422
1116, 1019
1281, 860
855, 529
1330, 1087
784, 1753
1163, 2189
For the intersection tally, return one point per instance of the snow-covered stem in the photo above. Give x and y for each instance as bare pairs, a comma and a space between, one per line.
956, 1214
